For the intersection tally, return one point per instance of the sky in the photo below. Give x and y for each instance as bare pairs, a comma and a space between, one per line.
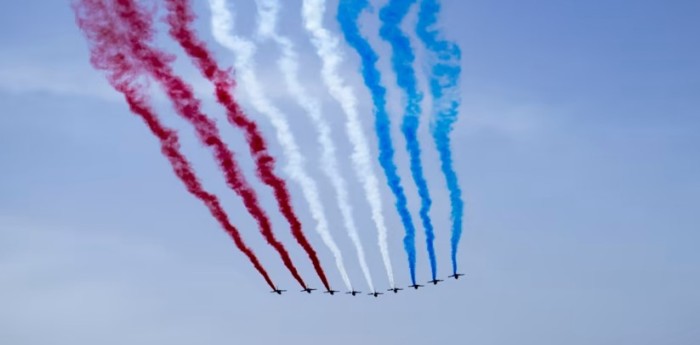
576, 149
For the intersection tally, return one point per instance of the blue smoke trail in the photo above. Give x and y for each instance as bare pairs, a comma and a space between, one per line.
445, 70
348, 13
402, 60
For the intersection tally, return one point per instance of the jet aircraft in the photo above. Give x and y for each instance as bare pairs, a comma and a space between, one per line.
277, 291
375, 294
455, 276
435, 281
331, 292
395, 290
308, 290
415, 286
353, 292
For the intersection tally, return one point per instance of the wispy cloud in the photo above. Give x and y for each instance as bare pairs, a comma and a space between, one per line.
26, 76
520, 121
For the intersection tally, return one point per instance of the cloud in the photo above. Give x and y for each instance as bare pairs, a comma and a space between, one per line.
21, 74
52, 277
516, 120
27, 76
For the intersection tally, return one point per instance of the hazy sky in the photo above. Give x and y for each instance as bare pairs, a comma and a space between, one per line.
577, 149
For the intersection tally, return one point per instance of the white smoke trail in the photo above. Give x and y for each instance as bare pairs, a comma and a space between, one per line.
268, 11
327, 48
244, 50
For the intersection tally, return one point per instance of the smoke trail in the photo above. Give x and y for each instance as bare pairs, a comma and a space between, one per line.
402, 59
327, 48
445, 70
244, 50
157, 64
106, 45
180, 19
268, 11
348, 14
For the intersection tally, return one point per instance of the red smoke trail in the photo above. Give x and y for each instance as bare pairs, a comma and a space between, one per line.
180, 18
140, 30
106, 43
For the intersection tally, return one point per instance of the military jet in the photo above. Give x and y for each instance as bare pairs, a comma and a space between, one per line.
435, 281
455, 276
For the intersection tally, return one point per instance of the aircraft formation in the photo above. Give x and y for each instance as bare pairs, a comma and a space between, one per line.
374, 293
121, 37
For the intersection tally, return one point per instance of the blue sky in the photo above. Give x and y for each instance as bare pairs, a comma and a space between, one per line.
576, 150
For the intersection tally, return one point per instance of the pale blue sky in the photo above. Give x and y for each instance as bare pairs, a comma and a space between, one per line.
576, 150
